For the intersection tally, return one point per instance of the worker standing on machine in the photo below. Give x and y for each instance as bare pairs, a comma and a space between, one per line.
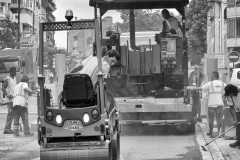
170, 24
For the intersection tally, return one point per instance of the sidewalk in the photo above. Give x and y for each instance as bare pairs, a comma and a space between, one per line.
217, 150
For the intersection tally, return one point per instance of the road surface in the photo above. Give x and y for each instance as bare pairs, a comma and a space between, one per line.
160, 146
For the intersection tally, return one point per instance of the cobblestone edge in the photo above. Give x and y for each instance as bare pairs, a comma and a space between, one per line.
213, 152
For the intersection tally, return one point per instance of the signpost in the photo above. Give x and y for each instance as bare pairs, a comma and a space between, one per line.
233, 57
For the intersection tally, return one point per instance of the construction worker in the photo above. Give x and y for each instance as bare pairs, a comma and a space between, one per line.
8, 90
233, 98
20, 105
170, 25
89, 65
215, 89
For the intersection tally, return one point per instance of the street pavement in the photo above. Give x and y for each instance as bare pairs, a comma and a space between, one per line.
11, 148
218, 149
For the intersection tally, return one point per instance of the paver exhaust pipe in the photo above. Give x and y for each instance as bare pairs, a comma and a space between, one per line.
132, 30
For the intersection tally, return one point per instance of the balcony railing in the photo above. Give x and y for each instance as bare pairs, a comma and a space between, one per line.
51, 18
14, 5
51, 6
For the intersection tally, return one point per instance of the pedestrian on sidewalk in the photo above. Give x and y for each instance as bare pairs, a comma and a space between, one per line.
233, 98
20, 104
8, 90
215, 89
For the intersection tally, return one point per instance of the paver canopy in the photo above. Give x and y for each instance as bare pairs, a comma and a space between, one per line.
138, 4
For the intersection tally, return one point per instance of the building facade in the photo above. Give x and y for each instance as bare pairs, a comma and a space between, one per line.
233, 25
32, 12
216, 37
5, 9
216, 30
80, 43
223, 32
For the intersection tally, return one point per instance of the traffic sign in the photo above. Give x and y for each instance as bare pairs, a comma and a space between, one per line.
233, 56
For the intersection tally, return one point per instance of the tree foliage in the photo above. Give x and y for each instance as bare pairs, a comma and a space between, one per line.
8, 34
49, 54
196, 22
145, 20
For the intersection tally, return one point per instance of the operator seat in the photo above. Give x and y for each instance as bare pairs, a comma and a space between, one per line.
78, 91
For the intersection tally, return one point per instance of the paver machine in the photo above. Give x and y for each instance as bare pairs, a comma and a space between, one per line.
80, 122
150, 82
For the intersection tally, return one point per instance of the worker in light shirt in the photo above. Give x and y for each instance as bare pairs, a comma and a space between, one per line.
215, 89
89, 65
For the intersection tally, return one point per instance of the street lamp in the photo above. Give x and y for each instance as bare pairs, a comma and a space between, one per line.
69, 17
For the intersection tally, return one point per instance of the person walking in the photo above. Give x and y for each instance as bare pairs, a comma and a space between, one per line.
20, 105
233, 98
215, 89
8, 90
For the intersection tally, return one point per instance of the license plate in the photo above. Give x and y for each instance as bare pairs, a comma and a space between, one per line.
73, 127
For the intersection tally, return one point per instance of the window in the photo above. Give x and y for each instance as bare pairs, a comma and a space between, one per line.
75, 38
212, 28
231, 27
231, 3
238, 75
237, 2
27, 3
14, 1
238, 27
14, 10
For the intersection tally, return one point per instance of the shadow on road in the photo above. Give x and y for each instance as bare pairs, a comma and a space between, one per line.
153, 130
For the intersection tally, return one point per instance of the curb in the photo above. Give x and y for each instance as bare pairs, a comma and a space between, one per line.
213, 152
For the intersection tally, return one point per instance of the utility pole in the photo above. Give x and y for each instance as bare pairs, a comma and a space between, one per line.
19, 11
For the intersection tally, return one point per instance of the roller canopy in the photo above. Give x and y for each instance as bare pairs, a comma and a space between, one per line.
138, 4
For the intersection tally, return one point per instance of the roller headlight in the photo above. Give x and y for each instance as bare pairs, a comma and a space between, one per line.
49, 115
58, 119
86, 118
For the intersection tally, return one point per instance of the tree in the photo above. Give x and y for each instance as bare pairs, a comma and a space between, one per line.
196, 23
49, 54
8, 34
145, 20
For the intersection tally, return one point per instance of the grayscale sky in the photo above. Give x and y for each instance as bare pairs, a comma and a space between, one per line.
81, 9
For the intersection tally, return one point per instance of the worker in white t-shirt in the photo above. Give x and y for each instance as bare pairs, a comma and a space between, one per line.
89, 65
171, 25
